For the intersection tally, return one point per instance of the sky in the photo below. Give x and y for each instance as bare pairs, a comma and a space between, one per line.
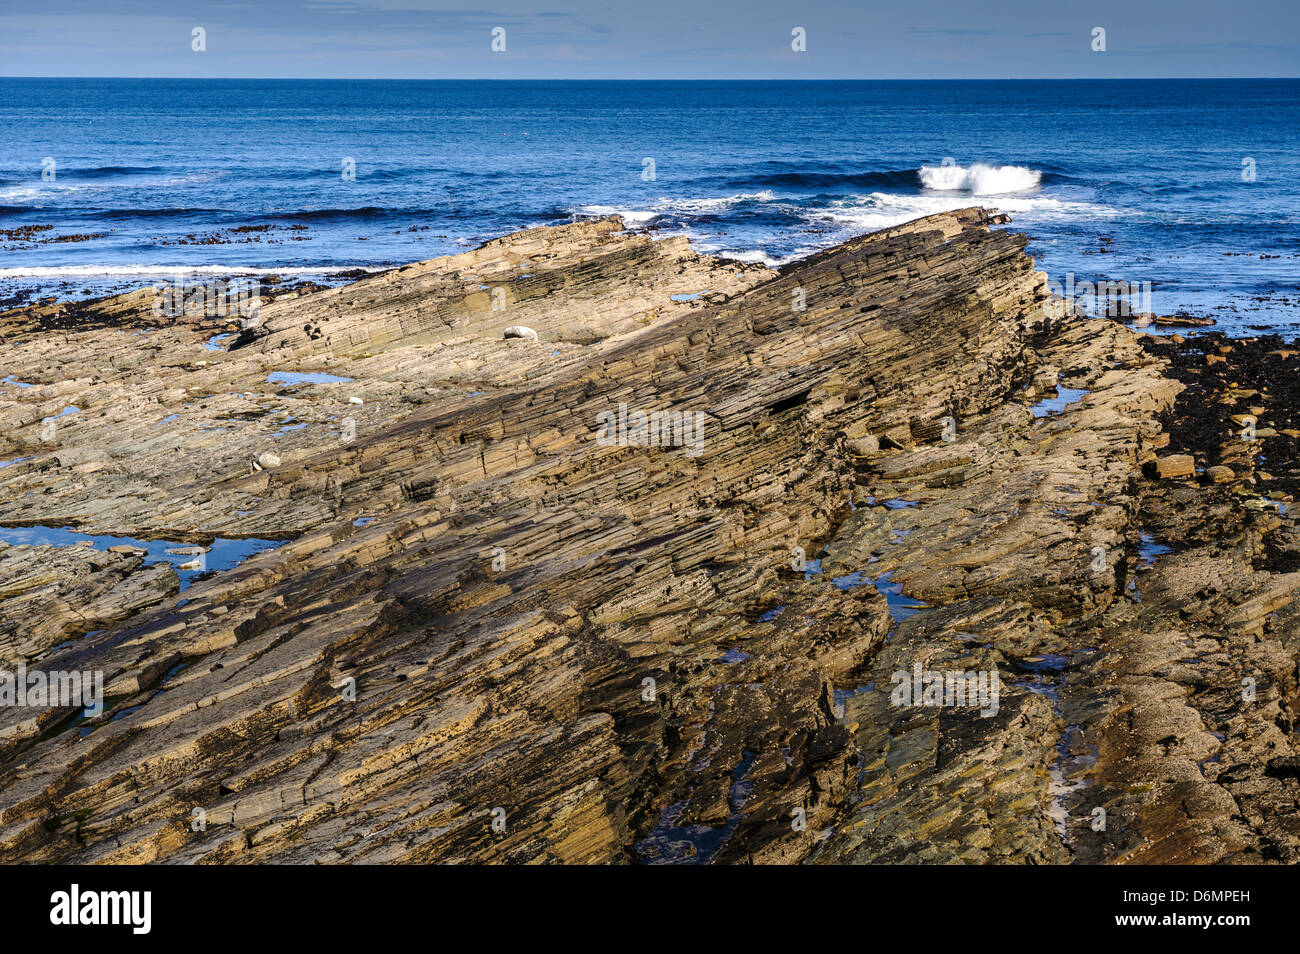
651, 39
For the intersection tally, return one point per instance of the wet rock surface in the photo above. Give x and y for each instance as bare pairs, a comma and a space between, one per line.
507, 625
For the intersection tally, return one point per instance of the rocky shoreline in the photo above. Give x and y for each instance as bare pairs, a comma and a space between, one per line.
496, 629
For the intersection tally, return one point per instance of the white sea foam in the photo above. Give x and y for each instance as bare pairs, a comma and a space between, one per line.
750, 256
880, 210
630, 216
21, 194
59, 187
980, 178
666, 206
699, 206
159, 271
49, 190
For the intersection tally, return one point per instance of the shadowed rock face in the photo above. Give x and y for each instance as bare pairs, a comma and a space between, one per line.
509, 625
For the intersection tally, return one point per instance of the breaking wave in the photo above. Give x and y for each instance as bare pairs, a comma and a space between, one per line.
980, 179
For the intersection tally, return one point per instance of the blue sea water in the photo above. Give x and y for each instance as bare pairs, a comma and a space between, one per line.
222, 554
1134, 181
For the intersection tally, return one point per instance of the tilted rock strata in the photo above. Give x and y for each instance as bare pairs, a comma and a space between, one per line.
495, 637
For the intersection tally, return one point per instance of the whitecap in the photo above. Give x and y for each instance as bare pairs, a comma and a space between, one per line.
665, 206
159, 271
752, 256
705, 206
880, 210
629, 216
980, 178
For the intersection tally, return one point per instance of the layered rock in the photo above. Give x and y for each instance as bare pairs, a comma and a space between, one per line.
508, 625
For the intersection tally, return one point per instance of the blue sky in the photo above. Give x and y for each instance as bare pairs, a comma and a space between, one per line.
656, 39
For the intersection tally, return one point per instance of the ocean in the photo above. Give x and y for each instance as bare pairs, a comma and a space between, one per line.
1190, 185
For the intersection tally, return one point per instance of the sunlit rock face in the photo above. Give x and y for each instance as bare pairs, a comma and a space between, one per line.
636, 586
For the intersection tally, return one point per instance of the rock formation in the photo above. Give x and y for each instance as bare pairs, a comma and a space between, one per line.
638, 589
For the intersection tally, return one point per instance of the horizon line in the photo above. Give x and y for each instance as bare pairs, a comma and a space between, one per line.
686, 79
